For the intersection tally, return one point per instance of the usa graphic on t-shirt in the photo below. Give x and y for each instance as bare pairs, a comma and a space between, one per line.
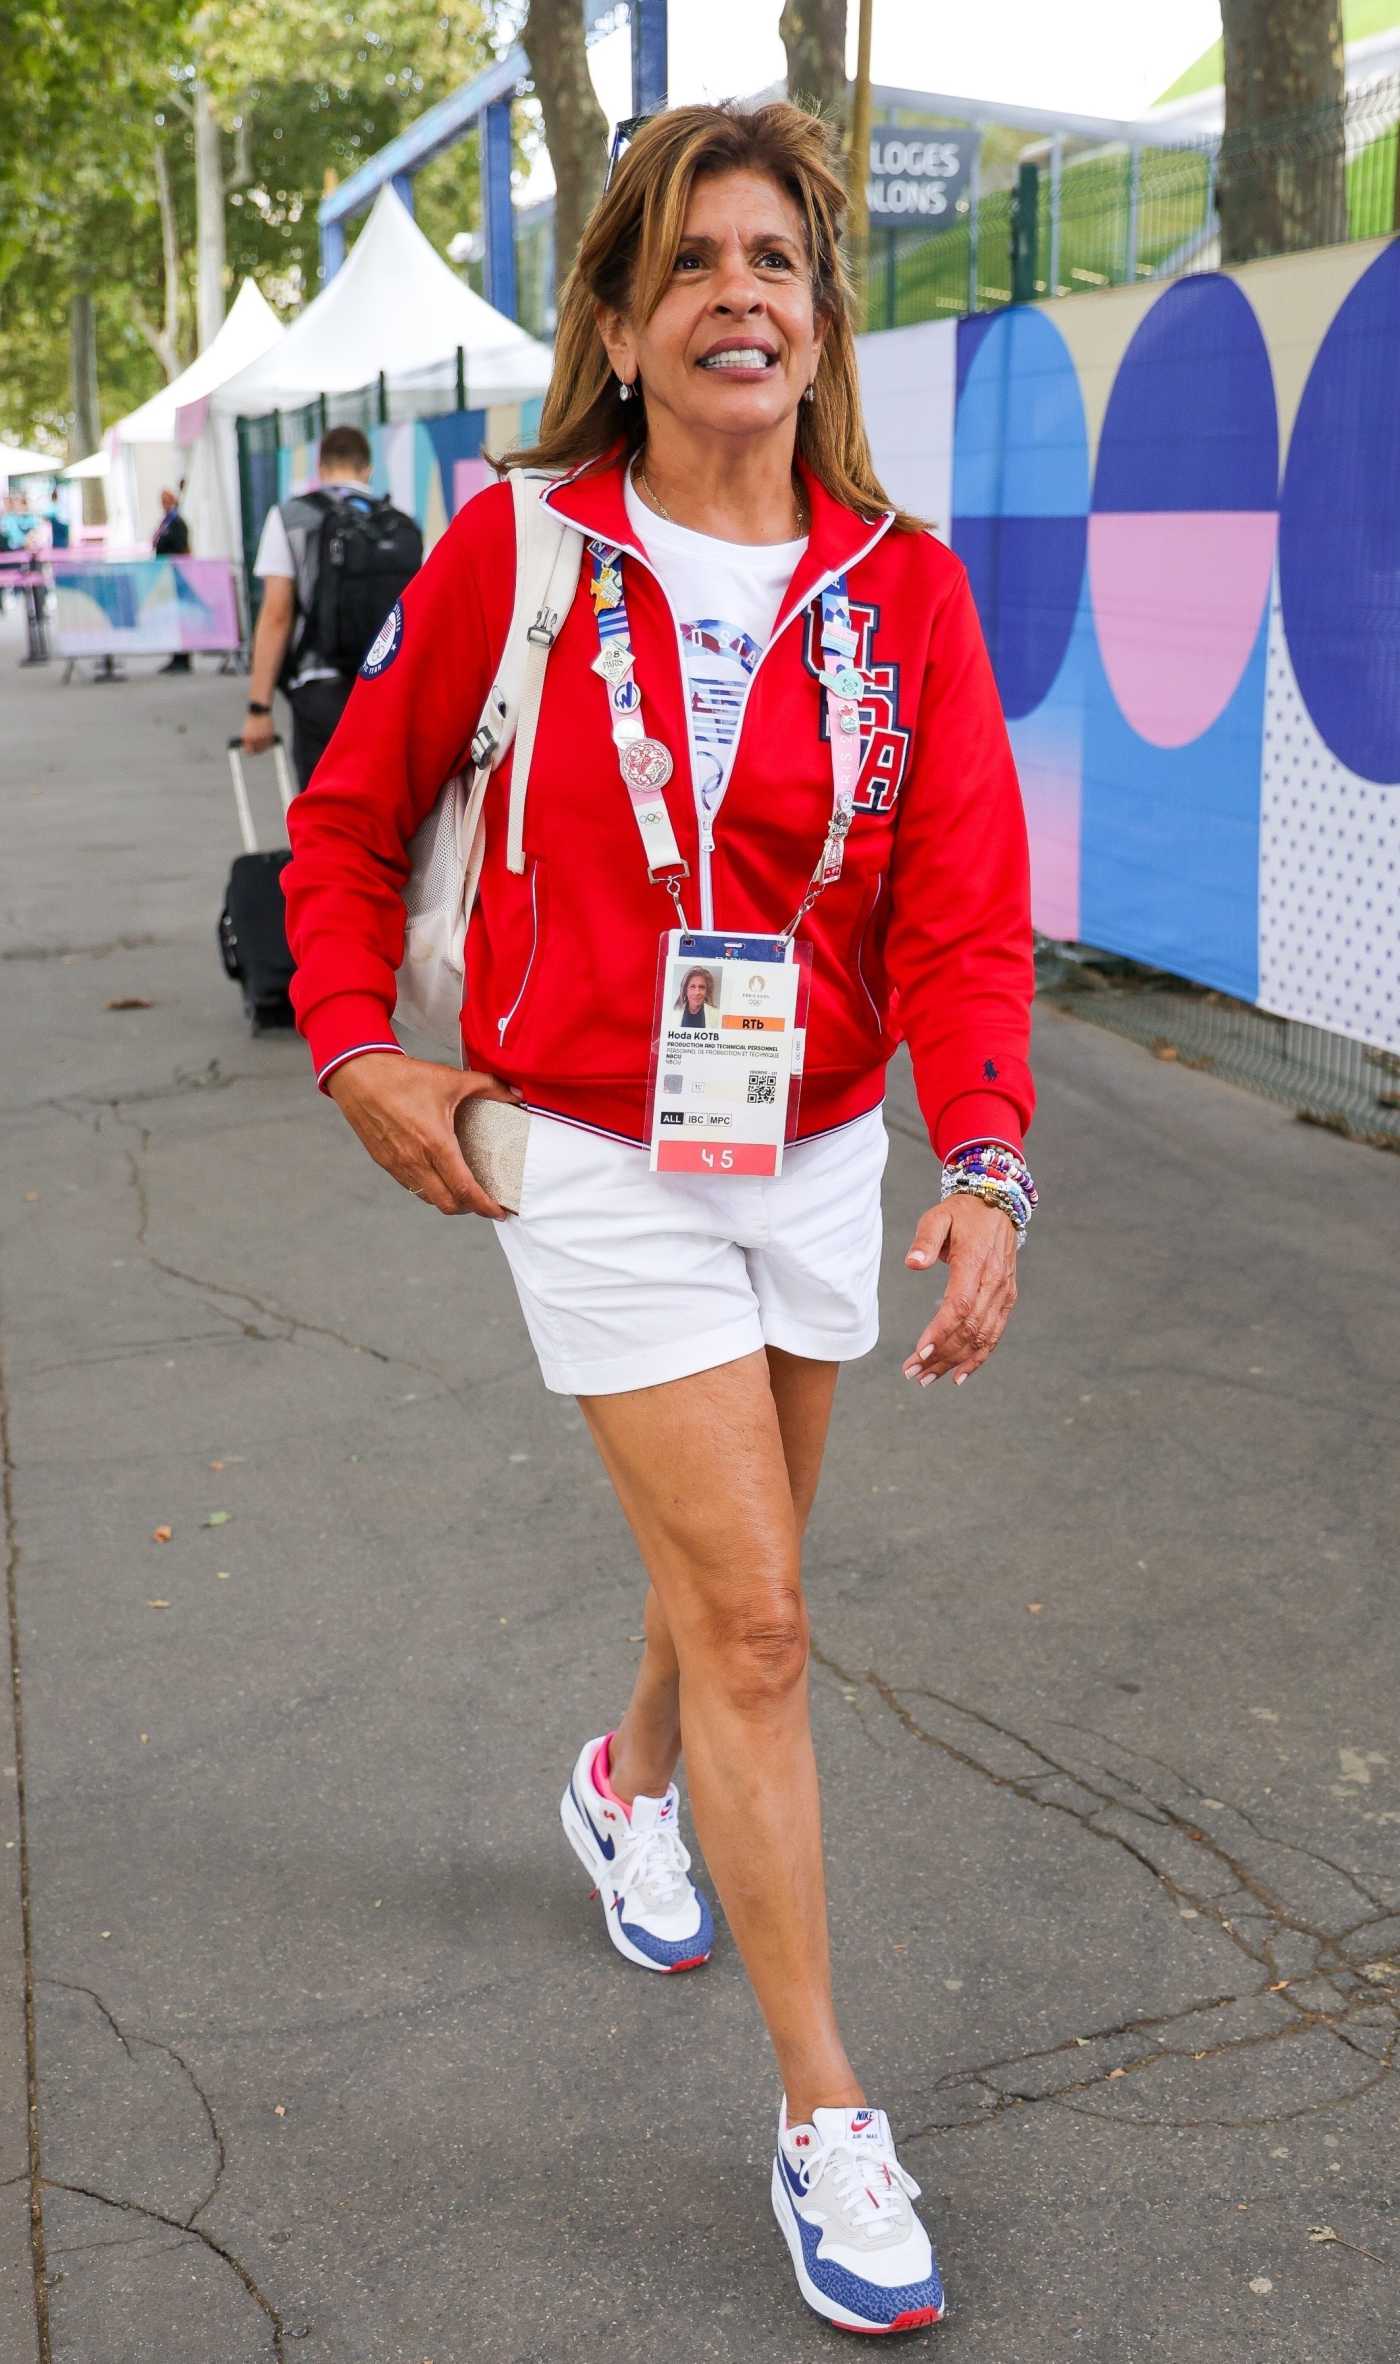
719, 659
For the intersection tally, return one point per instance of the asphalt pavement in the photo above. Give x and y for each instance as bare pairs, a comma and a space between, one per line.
311, 2045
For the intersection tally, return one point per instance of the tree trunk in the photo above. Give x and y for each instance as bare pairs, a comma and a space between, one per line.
858, 159
209, 217
82, 383
814, 36
165, 340
1282, 184
575, 127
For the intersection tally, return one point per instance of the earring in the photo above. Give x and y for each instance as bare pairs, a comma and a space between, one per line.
624, 391
811, 393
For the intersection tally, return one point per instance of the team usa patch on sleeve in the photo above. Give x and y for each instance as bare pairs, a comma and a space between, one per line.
385, 646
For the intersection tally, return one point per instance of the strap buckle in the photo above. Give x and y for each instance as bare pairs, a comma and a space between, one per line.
545, 629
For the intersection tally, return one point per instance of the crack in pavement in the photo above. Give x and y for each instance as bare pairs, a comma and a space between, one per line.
293, 1326
280, 2331
83, 951
1270, 1838
1361, 1993
154, 2044
22, 1858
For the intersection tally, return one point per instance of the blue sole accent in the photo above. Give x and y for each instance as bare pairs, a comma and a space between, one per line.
876, 2304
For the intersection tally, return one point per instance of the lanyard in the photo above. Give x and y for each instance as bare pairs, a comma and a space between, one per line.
646, 765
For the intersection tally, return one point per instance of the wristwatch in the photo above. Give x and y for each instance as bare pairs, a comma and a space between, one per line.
255, 708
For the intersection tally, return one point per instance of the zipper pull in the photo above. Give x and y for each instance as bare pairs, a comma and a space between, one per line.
707, 834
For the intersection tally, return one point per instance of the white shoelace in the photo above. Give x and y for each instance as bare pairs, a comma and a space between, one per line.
653, 1866
868, 2185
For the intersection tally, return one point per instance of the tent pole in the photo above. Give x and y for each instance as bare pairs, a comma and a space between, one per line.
461, 378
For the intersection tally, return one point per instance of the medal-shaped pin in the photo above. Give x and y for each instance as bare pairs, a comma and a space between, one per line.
848, 719
606, 588
614, 662
846, 681
626, 697
645, 763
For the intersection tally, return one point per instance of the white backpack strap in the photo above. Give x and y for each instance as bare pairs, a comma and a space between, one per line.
548, 543
546, 572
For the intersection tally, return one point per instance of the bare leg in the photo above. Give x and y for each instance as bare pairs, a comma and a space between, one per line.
647, 1745
702, 1475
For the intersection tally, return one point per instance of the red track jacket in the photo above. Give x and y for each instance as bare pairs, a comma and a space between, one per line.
933, 902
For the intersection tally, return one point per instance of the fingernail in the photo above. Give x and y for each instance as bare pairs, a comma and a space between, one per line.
960, 1376
924, 1353
928, 1378
917, 1256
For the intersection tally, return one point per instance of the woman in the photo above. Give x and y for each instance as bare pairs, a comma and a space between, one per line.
695, 1002
768, 611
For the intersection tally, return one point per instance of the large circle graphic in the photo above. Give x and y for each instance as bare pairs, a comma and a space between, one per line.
1182, 536
1339, 533
1020, 497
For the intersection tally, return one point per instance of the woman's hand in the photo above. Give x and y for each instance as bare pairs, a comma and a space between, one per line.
402, 1110
977, 1242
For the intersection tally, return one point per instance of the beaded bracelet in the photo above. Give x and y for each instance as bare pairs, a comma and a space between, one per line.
991, 1171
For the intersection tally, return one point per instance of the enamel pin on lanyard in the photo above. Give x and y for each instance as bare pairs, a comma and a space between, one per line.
730, 1015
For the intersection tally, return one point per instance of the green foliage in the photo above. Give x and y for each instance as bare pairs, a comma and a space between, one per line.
88, 92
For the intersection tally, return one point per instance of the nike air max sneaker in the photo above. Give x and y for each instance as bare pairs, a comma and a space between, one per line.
655, 1915
861, 2256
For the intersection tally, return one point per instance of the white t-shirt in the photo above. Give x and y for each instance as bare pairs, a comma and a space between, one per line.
727, 596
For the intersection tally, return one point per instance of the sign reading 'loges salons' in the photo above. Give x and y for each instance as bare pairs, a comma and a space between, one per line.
918, 176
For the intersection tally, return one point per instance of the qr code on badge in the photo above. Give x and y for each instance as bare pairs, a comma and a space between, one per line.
763, 1090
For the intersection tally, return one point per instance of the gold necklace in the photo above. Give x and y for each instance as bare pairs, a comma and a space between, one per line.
799, 504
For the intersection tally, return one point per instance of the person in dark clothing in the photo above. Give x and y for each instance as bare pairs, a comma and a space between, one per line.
285, 565
172, 540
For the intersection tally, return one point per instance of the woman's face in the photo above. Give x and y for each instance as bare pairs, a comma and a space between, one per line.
695, 992
733, 345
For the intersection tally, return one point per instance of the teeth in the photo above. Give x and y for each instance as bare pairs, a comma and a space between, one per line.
736, 357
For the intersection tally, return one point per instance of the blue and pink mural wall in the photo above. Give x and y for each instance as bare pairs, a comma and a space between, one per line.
1179, 508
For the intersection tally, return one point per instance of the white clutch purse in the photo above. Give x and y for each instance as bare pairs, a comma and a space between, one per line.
493, 1135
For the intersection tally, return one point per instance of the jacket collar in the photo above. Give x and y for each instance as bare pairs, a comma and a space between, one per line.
591, 498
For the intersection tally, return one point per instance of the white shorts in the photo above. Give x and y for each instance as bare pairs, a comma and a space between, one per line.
628, 1278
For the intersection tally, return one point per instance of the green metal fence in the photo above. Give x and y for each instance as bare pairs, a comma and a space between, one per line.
1329, 1079
1113, 216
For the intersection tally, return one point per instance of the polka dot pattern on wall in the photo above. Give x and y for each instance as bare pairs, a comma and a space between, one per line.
1329, 874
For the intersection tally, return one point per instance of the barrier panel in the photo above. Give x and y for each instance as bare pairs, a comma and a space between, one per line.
143, 607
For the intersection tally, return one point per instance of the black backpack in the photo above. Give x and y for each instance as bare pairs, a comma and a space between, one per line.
365, 554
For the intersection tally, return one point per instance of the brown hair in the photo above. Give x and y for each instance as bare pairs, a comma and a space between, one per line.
625, 260
345, 447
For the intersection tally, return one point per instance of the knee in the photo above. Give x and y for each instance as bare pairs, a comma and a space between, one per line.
758, 1654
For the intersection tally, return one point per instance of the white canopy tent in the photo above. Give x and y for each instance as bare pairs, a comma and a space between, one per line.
143, 452
396, 308
16, 461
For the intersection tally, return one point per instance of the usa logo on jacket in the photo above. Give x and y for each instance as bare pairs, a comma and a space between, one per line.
884, 745
385, 645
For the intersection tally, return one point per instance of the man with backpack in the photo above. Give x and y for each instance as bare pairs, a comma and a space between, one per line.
332, 561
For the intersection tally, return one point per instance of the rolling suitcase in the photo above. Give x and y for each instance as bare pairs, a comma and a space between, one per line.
252, 924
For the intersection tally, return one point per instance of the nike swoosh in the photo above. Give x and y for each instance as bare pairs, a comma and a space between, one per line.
794, 2183
607, 1848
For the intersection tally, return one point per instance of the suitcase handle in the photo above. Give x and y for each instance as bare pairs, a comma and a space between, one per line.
240, 787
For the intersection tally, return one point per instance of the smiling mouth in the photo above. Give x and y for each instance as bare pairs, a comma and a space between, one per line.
740, 357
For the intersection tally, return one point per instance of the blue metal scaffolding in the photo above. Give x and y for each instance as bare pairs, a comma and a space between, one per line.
487, 101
